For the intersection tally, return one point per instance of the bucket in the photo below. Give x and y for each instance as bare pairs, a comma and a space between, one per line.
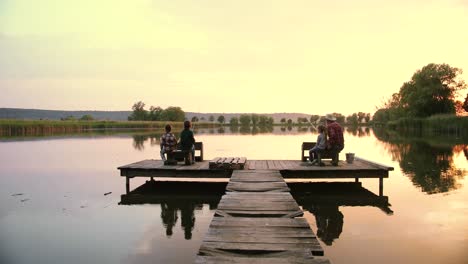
349, 157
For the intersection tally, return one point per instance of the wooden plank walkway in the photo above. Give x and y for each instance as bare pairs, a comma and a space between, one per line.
256, 222
268, 181
261, 204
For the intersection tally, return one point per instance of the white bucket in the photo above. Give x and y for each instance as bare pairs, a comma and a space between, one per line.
349, 157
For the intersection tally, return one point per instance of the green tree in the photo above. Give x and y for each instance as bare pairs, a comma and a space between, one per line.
234, 121
211, 118
263, 121
254, 118
367, 117
465, 103
173, 113
283, 120
155, 113
194, 119
87, 118
270, 121
339, 118
289, 122
139, 112
431, 91
361, 117
244, 120
221, 119
314, 119
352, 119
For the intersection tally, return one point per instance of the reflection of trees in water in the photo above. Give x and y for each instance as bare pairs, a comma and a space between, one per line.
428, 166
358, 131
140, 139
329, 222
169, 217
234, 129
245, 130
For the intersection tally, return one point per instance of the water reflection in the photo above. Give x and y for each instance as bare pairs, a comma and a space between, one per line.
324, 199
428, 163
178, 200
358, 131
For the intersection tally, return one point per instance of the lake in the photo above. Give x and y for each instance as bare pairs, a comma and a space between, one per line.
60, 199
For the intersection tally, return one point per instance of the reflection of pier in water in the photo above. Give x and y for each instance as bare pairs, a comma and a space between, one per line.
175, 197
324, 199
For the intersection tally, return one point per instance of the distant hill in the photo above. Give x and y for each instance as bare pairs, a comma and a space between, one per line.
19, 113
36, 114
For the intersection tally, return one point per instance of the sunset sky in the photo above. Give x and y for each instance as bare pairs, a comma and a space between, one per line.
308, 56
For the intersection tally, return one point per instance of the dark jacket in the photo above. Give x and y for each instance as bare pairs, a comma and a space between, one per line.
186, 139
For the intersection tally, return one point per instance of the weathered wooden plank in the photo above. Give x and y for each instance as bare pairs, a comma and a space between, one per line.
257, 213
215, 160
250, 177
258, 238
264, 232
271, 165
261, 165
375, 164
259, 222
228, 160
316, 249
294, 258
242, 160
257, 187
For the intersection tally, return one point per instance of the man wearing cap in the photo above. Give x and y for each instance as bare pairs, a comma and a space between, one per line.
335, 137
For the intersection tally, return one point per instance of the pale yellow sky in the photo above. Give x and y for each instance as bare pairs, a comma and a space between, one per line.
222, 56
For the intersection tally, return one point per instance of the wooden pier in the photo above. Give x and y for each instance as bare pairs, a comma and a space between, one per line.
360, 168
258, 221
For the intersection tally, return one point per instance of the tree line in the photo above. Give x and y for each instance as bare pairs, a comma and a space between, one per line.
430, 91
156, 113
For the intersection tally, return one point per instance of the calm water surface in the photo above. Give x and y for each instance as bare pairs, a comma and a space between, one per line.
53, 208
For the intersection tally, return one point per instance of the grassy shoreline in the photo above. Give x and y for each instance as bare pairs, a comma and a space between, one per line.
10, 127
434, 125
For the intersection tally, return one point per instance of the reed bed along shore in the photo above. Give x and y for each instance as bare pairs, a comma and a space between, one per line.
15, 127
434, 125
45, 127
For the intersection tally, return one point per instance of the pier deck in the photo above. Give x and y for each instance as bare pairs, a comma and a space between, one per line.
288, 168
360, 168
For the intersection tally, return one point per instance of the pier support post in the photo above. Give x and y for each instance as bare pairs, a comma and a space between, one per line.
381, 186
127, 185
356, 180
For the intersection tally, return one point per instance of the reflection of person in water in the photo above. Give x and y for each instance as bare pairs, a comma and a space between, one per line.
329, 222
188, 219
169, 217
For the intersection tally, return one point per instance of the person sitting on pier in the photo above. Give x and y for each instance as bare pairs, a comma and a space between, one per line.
187, 140
168, 142
335, 137
319, 146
